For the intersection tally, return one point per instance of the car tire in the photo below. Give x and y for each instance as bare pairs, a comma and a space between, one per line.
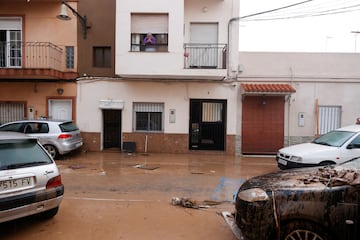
50, 213
302, 231
51, 150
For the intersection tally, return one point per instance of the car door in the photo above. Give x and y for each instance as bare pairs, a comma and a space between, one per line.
346, 212
352, 149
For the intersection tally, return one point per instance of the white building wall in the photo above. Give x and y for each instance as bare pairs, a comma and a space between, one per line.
325, 78
175, 95
181, 13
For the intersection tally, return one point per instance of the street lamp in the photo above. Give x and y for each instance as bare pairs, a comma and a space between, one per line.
64, 16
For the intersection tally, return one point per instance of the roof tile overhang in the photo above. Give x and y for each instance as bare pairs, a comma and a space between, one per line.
267, 89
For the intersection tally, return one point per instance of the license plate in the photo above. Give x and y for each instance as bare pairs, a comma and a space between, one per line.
283, 162
18, 183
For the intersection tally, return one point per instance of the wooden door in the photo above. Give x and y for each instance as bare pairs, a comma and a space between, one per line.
262, 124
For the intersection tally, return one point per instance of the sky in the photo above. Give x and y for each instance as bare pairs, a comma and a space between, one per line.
312, 26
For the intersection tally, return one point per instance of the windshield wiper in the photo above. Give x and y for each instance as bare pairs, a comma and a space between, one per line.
21, 165
323, 143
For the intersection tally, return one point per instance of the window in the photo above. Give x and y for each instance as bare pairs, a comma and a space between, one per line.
149, 26
102, 56
148, 117
69, 57
10, 42
329, 118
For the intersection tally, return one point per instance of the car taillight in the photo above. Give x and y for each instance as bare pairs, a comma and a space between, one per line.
54, 182
64, 136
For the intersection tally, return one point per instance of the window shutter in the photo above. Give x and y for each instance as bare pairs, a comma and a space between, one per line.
153, 23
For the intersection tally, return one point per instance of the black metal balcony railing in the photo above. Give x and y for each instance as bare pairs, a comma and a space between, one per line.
205, 56
39, 55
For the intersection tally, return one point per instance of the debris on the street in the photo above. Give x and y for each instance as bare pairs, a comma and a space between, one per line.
146, 167
76, 166
191, 203
230, 220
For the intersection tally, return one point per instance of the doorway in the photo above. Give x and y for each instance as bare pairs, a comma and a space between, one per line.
207, 124
263, 124
112, 128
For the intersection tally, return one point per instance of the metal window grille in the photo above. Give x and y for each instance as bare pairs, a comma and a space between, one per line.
11, 112
148, 116
329, 118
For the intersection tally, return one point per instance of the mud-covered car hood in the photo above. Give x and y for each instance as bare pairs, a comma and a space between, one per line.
318, 177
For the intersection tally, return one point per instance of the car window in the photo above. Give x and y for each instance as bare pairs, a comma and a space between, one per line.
35, 127
356, 140
15, 127
22, 153
68, 127
334, 138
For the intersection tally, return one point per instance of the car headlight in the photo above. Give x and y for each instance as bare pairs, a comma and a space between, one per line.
296, 159
253, 195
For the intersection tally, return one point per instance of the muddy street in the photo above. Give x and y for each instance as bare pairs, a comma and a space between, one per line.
112, 195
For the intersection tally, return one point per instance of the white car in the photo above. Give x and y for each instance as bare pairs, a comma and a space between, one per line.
30, 181
59, 137
334, 147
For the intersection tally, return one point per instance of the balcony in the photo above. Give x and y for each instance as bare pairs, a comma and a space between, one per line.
204, 56
32, 60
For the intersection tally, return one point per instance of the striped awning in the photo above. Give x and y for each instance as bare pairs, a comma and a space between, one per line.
267, 88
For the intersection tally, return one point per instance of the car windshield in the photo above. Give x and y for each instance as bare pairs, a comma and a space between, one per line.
20, 153
68, 127
334, 138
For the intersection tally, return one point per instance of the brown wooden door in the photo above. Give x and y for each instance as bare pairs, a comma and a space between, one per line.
262, 124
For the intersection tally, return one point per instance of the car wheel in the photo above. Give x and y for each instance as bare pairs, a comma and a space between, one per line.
51, 150
303, 231
50, 213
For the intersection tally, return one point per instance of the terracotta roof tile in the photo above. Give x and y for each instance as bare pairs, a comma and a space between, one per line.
267, 88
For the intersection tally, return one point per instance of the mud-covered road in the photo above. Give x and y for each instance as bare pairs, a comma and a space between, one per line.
112, 195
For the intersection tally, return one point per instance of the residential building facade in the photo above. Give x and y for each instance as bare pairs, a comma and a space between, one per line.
320, 95
38, 61
171, 92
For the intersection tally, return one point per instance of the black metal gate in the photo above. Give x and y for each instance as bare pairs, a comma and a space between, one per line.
112, 128
207, 124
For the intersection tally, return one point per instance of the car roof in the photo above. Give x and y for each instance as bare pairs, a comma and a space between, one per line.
14, 135
40, 120
350, 128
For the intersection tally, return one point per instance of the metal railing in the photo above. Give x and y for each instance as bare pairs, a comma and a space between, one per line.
205, 56
41, 55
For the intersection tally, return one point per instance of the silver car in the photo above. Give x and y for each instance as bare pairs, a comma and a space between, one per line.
30, 182
57, 136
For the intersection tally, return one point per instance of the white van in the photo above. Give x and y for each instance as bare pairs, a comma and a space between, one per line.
334, 147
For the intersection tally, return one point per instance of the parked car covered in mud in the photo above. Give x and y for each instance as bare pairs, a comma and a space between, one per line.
320, 203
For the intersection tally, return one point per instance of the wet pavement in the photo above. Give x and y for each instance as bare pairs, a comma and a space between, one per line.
113, 195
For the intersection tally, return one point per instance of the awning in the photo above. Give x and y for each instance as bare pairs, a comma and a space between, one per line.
266, 89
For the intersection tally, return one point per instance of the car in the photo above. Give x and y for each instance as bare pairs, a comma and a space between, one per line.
59, 137
30, 181
320, 203
334, 147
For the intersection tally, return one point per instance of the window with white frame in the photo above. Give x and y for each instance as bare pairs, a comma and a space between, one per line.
148, 117
10, 42
149, 32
